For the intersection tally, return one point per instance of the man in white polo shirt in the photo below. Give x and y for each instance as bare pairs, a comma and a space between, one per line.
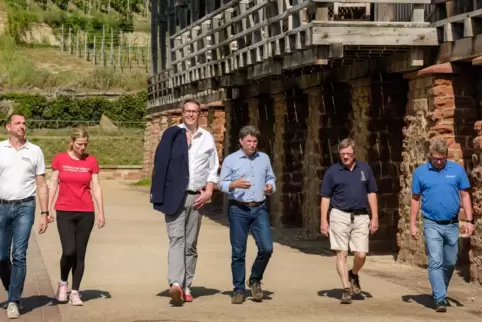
22, 175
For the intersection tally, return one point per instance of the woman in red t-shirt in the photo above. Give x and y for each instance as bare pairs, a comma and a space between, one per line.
73, 171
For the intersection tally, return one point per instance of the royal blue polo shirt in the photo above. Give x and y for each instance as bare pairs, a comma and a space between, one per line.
440, 189
348, 189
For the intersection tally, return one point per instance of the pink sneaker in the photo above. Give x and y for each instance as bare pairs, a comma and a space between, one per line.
62, 292
187, 295
74, 299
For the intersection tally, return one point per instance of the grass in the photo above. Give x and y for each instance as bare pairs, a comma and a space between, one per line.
143, 183
48, 68
108, 150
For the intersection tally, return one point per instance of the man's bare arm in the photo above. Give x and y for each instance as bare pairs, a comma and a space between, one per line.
42, 192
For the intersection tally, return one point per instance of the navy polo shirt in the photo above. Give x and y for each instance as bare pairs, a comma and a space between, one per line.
440, 189
348, 189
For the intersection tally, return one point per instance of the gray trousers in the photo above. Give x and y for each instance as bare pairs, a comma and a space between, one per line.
183, 231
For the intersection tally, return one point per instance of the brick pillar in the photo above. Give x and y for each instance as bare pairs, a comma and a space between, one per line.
278, 158
219, 131
253, 110
228, 112
312, 165
361, 103
438, 99
475, 253
147, 164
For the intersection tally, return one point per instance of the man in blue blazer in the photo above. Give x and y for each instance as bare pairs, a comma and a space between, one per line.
185, 172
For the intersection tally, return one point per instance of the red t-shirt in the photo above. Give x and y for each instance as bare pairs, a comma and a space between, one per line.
74, 182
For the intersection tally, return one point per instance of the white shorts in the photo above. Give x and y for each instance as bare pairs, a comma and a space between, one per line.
345, 235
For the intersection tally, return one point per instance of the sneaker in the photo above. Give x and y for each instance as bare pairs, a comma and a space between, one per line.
176, 294
354, 282
346, 296
256, 290
238, 298
12, 311
187, 295
441, 307
62, 291
74, 299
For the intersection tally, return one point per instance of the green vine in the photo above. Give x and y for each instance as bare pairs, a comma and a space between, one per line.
64, 111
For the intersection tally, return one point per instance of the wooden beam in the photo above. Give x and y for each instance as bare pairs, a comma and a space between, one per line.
374, 36
378, 1
459, 18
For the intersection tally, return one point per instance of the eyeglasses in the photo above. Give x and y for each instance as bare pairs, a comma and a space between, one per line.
438, 159
191, 112
347, 154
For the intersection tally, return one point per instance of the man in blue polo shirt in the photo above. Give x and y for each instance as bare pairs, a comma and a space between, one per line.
442, 185
349, 188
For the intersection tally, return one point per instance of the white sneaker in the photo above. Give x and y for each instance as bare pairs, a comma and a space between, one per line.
74, 299
12, 311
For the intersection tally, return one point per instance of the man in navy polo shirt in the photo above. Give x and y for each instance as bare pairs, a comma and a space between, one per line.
349, 188
442, 185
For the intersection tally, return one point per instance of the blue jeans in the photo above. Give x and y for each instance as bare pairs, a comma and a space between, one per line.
442, 249
243, 219
16, 221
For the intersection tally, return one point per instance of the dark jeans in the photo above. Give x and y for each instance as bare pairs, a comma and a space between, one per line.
16, 221
74, 230
243, 219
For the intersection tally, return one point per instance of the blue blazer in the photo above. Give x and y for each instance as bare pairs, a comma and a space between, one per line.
170, 175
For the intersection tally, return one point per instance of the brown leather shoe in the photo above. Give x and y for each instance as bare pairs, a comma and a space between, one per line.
238, 298
256, 290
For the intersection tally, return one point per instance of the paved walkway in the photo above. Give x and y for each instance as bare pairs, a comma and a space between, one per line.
126, 269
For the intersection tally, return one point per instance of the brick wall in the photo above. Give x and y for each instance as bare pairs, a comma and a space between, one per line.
441, 105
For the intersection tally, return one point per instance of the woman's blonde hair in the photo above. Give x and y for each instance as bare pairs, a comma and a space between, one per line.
77, 133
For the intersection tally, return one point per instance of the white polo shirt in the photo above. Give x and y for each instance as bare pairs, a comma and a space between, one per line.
18, 170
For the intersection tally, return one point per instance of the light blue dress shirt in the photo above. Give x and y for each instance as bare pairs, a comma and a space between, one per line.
256, 169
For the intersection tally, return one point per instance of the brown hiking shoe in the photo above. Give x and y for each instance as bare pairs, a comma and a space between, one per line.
346, 296
354, 282
238, 298
256, 290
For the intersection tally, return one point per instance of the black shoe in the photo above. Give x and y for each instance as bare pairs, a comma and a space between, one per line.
238, 298
354, 282
256, 290
346, 296
441, 307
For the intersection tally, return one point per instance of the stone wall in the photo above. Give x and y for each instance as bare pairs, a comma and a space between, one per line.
441, 105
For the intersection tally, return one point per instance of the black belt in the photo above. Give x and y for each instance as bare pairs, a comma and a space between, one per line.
192, 192
356, 212
249, 204
443, 222
2, 201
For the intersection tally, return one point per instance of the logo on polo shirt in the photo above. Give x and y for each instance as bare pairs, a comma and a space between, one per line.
27, 159
363, 178
450, 176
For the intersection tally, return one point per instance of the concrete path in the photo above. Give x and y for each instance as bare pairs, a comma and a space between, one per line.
126, 269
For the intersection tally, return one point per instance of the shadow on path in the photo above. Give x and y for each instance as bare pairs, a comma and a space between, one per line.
32, 303
427, 300
196, 291
337, 292
266, 295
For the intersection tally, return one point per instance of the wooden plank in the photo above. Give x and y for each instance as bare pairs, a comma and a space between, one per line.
265, 23
477, 61
459, 18
375, 36
377, 1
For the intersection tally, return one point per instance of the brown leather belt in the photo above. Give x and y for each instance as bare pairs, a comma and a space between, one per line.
249, 204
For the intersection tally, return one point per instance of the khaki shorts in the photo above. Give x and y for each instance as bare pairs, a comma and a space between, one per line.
344, 233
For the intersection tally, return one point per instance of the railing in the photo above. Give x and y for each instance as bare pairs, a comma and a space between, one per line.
244, 40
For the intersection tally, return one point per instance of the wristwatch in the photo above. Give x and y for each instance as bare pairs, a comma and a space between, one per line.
470, 221
44, 213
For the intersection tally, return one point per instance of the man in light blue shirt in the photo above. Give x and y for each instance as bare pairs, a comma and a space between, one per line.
247, 178
441, 186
